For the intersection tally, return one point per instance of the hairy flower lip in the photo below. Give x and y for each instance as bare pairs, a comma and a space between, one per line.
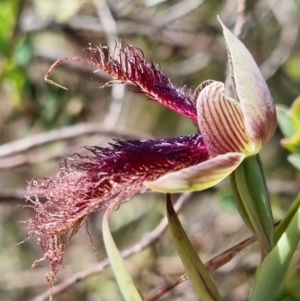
115, 173
130, 67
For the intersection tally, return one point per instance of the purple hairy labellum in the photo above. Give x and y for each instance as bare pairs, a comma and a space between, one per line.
89, 183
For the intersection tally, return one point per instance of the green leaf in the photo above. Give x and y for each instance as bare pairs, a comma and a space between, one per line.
126, 285
252, 199
291, 67
287, 124
293, 143
295, 160
293, 286
273, 269
201, 280
8, 14
295, 109
281, 228
23, 52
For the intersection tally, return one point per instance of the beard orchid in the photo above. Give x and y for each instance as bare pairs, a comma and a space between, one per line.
230, 131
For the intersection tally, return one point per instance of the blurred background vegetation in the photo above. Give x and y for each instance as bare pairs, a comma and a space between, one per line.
41, 124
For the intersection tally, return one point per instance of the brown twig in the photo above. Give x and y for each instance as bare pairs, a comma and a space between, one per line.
240, 18
175, 12
30, 24
118, 91
12, 196
211, 265
29, 158
193, 64
68, 132
286, 16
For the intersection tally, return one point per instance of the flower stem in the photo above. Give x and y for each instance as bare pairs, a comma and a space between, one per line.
252, 199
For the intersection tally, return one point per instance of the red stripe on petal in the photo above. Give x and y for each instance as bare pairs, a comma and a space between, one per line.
234, 124
221, 122
237, 123
216, 138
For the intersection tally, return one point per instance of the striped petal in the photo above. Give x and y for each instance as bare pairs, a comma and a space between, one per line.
198, 177
221, 122
252, 91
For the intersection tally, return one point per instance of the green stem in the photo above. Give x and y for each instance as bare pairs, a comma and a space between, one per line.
252, 200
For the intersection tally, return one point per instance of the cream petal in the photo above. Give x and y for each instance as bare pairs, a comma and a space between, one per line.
200, 88
198, 177
252, 91
221, 122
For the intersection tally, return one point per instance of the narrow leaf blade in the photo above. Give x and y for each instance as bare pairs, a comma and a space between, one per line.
281, 228
272, 271
126, 285
201, 280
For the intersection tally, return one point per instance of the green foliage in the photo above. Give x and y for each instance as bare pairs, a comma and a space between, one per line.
291, 67
289, 122
273, 270
16, 53
201, 280
125, 282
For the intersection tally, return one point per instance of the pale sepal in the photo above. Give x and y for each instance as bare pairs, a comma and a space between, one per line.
198, 177
126, 285
200, 278
251, 89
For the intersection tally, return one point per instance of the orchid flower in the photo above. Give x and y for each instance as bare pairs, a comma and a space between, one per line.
231, 131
